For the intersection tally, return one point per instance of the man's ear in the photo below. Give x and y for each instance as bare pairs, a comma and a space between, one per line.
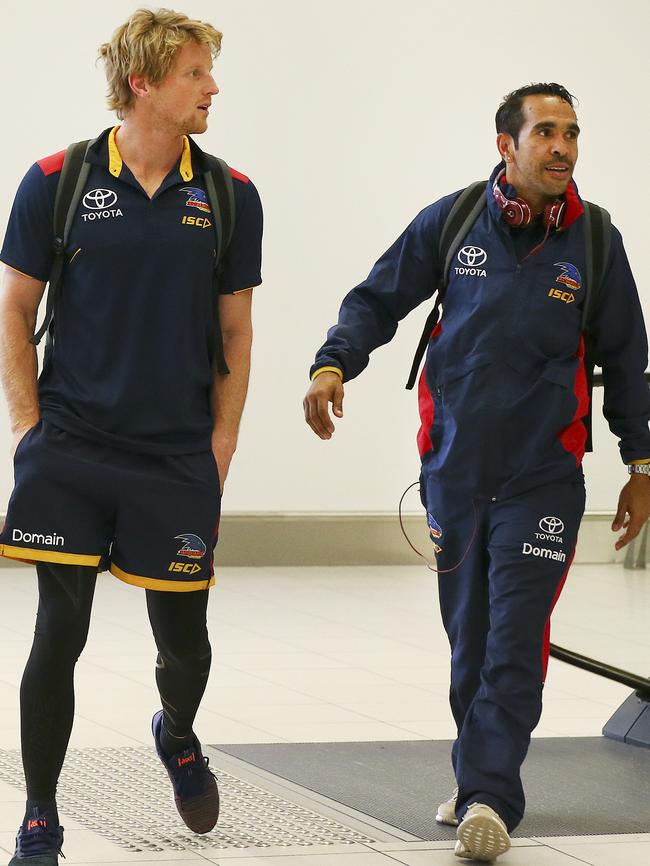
139, 84
505, 146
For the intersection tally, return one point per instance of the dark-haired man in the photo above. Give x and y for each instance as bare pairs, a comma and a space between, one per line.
502, 401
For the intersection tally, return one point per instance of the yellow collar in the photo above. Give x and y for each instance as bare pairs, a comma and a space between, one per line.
186, 160
115, 160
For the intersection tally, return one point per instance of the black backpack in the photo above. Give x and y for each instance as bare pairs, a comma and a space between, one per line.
73, 177
462, 216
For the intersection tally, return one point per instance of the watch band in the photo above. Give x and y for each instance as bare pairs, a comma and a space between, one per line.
639, 468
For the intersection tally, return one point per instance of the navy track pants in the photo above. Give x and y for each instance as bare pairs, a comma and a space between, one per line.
495, 608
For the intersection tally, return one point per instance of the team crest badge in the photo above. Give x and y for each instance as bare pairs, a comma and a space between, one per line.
569, 276
193, 547
196, 198
435, 530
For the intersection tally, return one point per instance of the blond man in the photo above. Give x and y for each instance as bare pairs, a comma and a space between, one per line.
123, 443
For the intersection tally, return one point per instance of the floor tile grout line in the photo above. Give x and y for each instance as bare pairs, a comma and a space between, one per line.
578, 859
333, 704
389, 680
354, 628
607, 839
105, 728
138, 683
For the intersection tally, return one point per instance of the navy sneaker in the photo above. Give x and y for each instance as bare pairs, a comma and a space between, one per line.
38, 843
195, 788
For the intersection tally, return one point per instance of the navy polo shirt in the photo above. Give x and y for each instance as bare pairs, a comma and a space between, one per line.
134, 325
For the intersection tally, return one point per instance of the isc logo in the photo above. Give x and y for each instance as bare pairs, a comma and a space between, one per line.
567, 297
201, 222
184, 567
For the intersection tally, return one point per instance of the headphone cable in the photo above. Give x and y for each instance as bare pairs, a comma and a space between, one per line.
421, 555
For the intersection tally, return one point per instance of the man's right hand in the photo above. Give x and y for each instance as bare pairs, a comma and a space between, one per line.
18, 436
326, 388
20, 296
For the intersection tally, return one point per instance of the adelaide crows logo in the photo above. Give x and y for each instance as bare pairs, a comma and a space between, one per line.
435, 531
434, 527
196, 198
570, 276
193, 546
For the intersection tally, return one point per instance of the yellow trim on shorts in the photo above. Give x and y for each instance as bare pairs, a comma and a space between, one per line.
162, 585
28, 554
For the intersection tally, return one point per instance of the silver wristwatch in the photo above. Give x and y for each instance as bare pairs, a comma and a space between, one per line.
639, 468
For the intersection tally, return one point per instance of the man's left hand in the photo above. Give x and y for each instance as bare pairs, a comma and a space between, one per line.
633, 509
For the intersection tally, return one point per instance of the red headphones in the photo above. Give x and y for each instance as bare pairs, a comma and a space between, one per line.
517, 212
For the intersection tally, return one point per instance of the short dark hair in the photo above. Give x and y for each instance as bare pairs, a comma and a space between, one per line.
509, 117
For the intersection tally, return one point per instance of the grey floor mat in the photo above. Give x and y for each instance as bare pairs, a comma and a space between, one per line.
574, 786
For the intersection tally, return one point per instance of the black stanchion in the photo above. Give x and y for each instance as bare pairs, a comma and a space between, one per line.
631, 721
641, 684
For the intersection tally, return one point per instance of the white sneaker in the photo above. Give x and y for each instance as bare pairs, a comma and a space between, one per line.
482, 835
447, 811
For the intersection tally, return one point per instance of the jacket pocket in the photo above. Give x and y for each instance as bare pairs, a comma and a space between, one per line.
560, 373
450, 372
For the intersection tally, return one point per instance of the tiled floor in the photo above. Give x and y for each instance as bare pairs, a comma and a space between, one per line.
323, 654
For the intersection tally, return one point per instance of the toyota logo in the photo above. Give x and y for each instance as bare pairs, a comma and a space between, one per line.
472, 256
553, 525
99, 199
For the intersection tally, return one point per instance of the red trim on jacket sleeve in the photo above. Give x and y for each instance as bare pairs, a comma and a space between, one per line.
426, 407
51, 164
574, 437
239, 176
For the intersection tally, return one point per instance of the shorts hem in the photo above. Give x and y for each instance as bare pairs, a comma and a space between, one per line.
32, 555
161, 585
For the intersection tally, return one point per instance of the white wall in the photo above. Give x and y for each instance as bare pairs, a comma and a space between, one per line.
351, 116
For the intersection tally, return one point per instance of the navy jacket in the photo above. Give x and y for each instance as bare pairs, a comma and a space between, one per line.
504, 390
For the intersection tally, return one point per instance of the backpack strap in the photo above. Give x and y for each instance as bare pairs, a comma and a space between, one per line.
221, 195
462, 216
73, 177
598, 236
464, 213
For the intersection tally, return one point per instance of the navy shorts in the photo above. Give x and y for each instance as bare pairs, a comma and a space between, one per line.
151, 519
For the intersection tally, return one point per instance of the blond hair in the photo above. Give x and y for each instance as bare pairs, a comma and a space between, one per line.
146, 44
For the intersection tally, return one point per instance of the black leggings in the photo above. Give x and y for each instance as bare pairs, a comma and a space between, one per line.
178, 621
